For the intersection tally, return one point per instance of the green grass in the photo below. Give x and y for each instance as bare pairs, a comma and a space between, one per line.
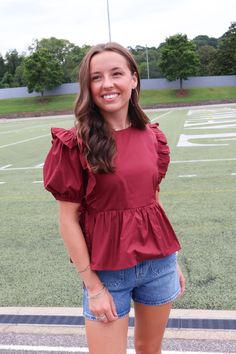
148, 98
194, 95
35, 269
36, 104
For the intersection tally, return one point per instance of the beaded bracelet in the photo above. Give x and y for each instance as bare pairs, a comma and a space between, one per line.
92, 297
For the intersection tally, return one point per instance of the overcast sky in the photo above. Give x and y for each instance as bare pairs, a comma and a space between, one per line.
133, 22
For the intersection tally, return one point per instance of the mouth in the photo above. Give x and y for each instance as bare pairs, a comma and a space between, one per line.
110, 96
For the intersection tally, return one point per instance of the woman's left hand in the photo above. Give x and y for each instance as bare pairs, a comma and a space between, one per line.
181, 281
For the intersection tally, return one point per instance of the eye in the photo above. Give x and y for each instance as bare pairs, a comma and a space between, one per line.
117, 73
96, 77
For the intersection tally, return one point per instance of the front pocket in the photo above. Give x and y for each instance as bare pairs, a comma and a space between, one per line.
160, 265
111, 278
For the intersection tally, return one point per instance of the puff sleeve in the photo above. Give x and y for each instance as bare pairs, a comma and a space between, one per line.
62, 171
163, 152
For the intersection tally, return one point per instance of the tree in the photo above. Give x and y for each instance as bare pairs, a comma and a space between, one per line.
42, 71
2, 67
207, 55
226, 56
179, 58
203, 40
12, 61
66, 53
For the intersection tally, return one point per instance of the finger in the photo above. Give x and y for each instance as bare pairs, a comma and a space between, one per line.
113, 308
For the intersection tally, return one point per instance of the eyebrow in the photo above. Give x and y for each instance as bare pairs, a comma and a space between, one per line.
112, 69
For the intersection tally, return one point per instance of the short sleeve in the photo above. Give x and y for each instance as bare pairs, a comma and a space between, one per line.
163, 152
62, 171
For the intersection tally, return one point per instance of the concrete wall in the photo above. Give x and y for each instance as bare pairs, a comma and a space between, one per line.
199, 81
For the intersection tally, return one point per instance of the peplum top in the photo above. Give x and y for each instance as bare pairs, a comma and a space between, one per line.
120, 218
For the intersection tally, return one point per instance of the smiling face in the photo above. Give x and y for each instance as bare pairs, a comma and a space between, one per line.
111, 83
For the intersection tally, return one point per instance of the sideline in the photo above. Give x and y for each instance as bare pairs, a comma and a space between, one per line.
24, 141
81, 349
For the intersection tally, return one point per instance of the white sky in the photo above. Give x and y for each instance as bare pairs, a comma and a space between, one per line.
133, 22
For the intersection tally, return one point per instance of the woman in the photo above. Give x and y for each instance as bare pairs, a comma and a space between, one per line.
105, 174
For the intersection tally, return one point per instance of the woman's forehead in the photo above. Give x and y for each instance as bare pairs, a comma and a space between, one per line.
107, 60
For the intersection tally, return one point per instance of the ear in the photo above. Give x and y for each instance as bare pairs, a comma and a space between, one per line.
134, 80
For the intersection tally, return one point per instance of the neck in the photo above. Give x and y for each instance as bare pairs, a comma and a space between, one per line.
120, 125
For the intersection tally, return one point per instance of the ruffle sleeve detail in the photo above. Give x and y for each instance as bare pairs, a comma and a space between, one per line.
62, 172
163, 152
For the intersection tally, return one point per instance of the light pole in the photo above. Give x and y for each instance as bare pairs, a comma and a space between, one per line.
108, 18
148, 75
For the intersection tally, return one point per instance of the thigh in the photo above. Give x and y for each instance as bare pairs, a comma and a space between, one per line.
150, 324
107, 338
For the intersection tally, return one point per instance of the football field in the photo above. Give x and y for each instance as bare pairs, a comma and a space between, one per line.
199, 195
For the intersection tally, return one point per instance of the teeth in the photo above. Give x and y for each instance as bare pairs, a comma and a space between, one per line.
110, 96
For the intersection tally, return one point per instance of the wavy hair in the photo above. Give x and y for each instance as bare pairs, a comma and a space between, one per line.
99, 147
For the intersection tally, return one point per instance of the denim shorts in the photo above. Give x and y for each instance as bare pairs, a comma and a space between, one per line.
152, 282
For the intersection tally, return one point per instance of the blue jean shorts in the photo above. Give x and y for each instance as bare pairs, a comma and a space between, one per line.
152, 282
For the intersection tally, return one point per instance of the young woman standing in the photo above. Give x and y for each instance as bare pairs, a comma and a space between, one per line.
105, 174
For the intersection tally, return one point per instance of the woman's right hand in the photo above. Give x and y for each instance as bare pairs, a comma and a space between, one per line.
103, 306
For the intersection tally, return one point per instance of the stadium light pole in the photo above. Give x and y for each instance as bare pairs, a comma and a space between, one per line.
108, 18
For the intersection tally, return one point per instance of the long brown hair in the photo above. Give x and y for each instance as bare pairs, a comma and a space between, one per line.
99, 147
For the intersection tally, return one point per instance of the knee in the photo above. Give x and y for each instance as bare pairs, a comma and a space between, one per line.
144, 348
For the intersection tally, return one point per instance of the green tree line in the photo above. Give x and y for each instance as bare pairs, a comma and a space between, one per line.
51, 61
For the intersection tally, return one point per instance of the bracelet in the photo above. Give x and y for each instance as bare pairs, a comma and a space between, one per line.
84, 270
92, 297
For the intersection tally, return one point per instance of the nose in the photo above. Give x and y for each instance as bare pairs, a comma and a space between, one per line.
107, 81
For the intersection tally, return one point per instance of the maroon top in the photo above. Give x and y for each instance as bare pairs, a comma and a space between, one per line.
120, 218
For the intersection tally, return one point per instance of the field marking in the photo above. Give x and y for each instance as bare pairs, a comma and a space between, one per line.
61, 116
40, 165
24, 141
37, 182
44, 348
4, 167
20, 168
24, 128
162, 115
187, 176
184, 139
233, 174
201, 191
207, 160
2, 182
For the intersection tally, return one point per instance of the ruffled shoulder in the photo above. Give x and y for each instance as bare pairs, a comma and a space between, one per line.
62, 171
163, 151
67, 137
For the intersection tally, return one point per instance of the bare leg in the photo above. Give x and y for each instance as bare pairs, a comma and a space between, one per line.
107, 338
150, 324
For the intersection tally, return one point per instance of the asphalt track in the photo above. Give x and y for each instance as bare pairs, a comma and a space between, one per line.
190, 331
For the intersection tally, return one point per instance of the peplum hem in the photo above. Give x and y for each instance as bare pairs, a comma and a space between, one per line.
118, 237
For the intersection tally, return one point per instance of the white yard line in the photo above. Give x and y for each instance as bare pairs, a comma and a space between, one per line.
161, 116
6, 166
187, 176
39, 166
24, 128
45, 348
24, 141
208, 160
20, 168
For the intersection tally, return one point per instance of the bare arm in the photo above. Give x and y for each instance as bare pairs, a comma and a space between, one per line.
75, 244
